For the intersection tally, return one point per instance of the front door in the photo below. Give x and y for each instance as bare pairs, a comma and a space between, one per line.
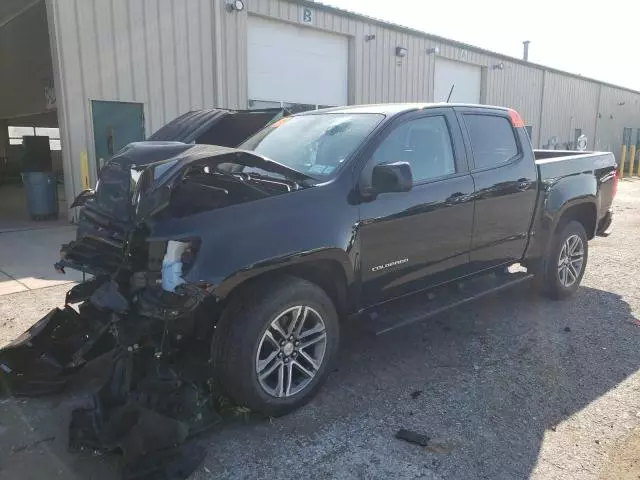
115, 125
414, 240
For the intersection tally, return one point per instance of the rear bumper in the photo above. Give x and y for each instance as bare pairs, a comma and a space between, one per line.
604, 227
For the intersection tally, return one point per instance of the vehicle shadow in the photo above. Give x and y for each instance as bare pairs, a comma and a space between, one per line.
494, 377
488, 381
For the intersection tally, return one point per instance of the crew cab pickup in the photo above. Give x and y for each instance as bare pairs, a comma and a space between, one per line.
328, 214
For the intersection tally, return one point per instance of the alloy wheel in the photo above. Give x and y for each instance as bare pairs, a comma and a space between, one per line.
571, 260
291, 351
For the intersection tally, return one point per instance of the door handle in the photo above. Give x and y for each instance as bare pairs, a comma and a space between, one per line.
523, 184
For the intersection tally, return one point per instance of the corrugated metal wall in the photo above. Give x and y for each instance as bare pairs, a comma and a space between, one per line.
156, 52
174, 56
617, 109
569, 103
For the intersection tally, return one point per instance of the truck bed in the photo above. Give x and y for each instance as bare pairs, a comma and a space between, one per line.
555, 164
567, 172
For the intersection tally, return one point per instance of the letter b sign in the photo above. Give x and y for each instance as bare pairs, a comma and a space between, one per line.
306, 15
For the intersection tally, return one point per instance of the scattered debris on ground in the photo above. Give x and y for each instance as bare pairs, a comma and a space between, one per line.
412, 437
430, 445
147, 393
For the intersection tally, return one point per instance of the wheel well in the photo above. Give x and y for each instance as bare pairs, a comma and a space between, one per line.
585, 213
327, 274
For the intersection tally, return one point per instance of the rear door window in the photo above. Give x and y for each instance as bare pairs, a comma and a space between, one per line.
492, 140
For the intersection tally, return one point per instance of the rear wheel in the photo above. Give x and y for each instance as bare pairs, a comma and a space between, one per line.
565, 262
274, 345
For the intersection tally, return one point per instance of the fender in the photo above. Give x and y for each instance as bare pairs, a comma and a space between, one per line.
336, 255
558, 196
568, 192
241, 241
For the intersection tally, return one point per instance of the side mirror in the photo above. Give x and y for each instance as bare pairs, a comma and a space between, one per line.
83, 198
392, 177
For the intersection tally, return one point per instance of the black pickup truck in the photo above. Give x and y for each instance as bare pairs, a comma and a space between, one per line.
265, 247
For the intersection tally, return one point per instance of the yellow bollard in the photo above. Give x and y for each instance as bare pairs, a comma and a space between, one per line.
84, 169
632, 159
623, 156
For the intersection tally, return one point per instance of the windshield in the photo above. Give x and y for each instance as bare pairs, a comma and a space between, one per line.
316, 145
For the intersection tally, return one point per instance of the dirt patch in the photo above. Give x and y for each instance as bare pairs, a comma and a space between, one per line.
624, 459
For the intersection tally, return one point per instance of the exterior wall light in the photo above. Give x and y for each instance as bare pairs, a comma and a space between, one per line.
235, 6
401, 52
498, 66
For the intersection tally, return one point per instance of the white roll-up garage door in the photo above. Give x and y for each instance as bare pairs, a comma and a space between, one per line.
465, 78
294, 64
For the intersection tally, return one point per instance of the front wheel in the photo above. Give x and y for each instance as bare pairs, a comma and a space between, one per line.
565, 262
274, 345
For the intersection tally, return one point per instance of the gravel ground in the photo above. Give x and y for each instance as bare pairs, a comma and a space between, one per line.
514, 386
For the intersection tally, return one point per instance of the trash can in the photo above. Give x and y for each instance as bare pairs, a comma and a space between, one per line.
42, 195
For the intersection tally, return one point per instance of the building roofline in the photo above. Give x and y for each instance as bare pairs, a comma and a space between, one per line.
466, 46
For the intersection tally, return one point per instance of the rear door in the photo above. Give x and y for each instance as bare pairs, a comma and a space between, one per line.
413, 240
505, 177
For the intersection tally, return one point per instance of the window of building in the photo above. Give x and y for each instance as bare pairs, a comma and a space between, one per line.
425, 143
291, 107
16, 134
492, 139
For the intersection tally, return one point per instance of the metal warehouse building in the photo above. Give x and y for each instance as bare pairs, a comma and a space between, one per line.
107, 72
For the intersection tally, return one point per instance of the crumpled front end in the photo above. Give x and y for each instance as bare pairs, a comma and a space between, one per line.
144, 367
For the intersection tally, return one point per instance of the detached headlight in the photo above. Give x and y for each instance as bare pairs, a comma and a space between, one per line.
178, 259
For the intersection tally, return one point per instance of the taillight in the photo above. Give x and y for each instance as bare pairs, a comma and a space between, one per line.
615, 184
516, 121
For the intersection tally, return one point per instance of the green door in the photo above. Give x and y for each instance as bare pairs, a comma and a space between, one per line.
115, 125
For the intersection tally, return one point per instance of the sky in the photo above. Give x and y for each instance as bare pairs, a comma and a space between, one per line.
592, 38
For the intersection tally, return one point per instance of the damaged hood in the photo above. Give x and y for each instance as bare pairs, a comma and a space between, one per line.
151, 181
138, 181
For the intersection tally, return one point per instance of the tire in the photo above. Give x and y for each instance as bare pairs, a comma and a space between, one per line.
561, 281
242, 347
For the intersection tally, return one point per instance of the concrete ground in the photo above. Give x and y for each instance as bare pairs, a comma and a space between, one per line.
14, 213
514, 386
27, 258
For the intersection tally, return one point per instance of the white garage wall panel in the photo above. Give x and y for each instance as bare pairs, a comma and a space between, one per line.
296, 64
466, 80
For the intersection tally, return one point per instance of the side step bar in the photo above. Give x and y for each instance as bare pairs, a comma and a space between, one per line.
425, 305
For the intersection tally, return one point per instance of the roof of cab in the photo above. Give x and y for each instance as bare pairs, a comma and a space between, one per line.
390, 109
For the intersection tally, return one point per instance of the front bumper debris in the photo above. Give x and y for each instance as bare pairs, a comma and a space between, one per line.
141, 361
